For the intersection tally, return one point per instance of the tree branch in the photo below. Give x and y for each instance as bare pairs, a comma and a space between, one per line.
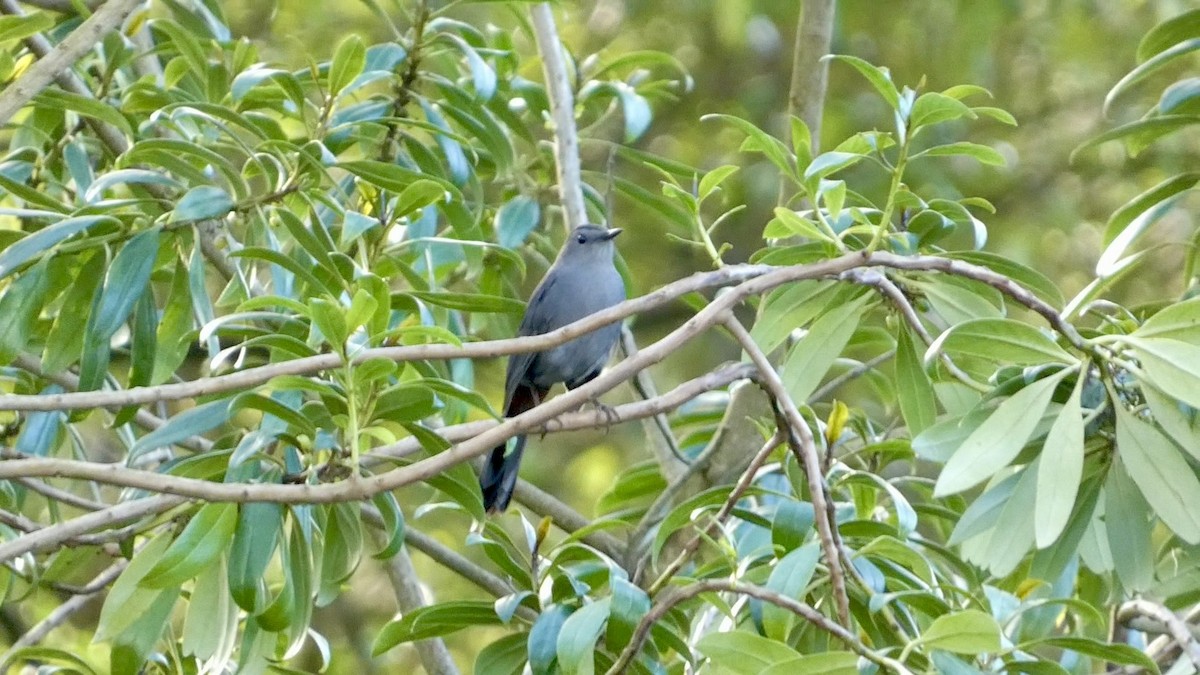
411, 597
251, 377
59, 59
56, 534
800, 609
17, 466
63, 612
562, 112
809, 458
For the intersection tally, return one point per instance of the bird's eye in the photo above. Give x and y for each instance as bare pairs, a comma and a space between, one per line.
581, 239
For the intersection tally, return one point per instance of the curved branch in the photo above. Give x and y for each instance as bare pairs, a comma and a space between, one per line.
809, 458
251, 377
23, 467
56, 534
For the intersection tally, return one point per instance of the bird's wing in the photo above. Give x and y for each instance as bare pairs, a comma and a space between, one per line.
534, 323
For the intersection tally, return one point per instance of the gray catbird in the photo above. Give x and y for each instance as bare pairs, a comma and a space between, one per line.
581, 282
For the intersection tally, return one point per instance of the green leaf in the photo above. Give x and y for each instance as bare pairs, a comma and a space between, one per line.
999, 438
934, 108
1138, 135
628, 605
831, 162
744, 653
202, 540
789, 578
918, 404
1151, 65
329, 318
65, 340
1161, 473
1036, 282
30, 245
1119, 654
1130, 210
824, 663
1177, 321
1171, 366
210, 612
543, 638
203, 202
348, 62
1127, 523
811, 357
788, 308
957, 303
792, 524
127, 599
713, 179
506, 656
126, 281
393, 524
254, 542
788, 223
771, 147
577, 638
434, 621
21, 27
880, 78
88, 106
516, 219
983, 153
417, 196
20, 306
1178, 420
967, 632
1168, 34
388, 176
191, 422
1000, 341
470, 302
1060, 470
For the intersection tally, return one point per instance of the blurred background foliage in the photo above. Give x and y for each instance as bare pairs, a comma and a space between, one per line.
1049, 62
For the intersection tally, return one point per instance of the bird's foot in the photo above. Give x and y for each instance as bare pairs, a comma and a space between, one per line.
607, 412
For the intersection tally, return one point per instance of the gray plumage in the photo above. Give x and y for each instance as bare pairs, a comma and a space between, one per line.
581, 282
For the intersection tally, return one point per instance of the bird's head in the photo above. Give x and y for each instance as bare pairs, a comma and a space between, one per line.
590, 241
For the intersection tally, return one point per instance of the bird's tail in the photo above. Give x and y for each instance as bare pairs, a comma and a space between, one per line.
499, 476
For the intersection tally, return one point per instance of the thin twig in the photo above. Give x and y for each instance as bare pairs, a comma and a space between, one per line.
63, 612
800, 609
1153, 617
720, 517
671, 461
809, 458
889, 289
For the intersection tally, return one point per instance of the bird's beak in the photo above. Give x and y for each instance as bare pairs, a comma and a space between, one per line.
612, 234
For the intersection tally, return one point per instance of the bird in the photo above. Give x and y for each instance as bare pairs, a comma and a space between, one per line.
582, 281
